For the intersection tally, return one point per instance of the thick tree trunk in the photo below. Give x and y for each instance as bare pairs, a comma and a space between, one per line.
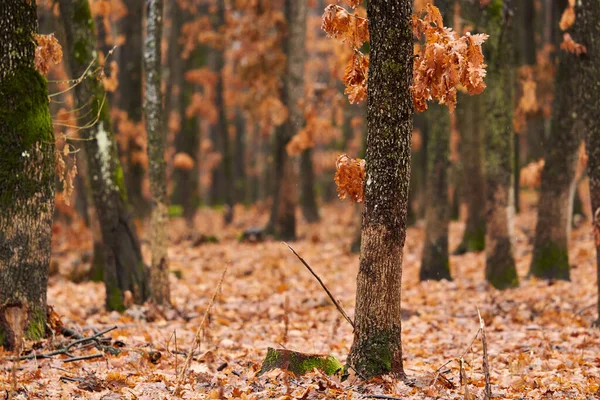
469, 119
26, 177
308, 200
124, 268
434, 262
377, 347
153, 107
551, 244
282, 222
129, 57
500, 268
587, 32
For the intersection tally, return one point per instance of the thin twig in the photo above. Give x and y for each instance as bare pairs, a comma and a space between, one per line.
333, 299
463, 378
198, 335
380, 396
88, 357
486, 366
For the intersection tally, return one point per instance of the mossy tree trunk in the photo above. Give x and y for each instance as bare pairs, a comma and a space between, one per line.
129, 99
153, 107
469, 119
551, 244
435, 264
587, 32
500, 268
377, 346
124, 269
282, 222
26, 176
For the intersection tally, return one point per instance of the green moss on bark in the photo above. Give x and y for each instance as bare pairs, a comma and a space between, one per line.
551, 262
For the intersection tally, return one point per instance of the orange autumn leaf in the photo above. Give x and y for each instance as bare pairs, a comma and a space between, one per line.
47, 52
571, 46
350, 178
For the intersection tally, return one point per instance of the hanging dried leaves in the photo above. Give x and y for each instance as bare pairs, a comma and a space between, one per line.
444, 61
571, 46
350, 178
47, 52
568, 16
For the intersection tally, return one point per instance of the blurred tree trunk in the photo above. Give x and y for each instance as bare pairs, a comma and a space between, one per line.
434, 261
551, 244
308, 199
223, 182
124, 267
500, 268
377, 346
586, 31
153, 107
241, 181
26, 178
469, 118
282, 222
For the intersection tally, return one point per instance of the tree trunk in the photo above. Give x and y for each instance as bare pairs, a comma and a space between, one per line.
377, 347
434, 262
469, 118
282, 222
500, 268
124, 268
159, 270
552, 232
129, 56
308, 200
587, 32
241, 179
26, 177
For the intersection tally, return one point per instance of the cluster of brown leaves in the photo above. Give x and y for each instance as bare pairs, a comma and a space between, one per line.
445, 61
315, 125
567, 20
571, 46
109, 12
531, 174
47, 52
132, 138
350, 178
568, 16
527, 103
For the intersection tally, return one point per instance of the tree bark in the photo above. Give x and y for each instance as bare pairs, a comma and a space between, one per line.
308, 200
377, 346
500, 268
552, 232
435, 264
587, 32
124, 268
129, 57
153, 107
282, 222
26, 176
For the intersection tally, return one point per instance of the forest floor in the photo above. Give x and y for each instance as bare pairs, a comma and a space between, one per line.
539, 339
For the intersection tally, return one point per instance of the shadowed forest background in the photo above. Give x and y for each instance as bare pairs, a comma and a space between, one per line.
174, 175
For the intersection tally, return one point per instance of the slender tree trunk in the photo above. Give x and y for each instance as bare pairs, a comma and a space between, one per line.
308, 199
129, 56
159, 270
377, 346
26, 177
282, 222
551, 244
434, 262
587, 32
500, 268
469, 119
124, 267
241, 179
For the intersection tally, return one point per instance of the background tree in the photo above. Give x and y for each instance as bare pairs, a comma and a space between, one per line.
561, 154
153, 107
282, 222
124, 268
27, 176
500, 268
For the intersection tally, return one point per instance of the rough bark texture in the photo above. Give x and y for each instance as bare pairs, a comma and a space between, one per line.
587, 32
124, 268
500, 268
129, 57
469, 119
26, 175
159, 270
434, 262
377, 346
282, 222
551, 243
308, 198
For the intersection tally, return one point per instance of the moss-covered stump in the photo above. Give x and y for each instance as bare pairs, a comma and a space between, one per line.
299, 363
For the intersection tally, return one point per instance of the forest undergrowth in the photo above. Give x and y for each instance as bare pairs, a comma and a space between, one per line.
539, 336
